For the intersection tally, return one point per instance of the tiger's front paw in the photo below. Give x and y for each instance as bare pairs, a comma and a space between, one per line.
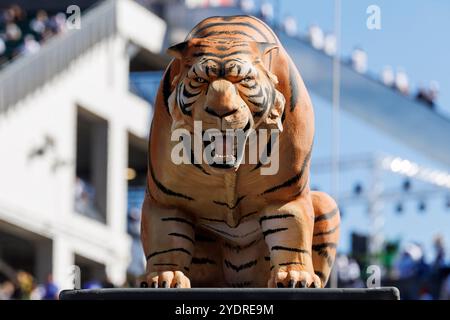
165, 279
284, 277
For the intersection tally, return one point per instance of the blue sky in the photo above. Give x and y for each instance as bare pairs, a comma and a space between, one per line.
413, 36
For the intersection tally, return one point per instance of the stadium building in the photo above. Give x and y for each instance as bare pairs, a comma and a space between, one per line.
73, 140
74, 121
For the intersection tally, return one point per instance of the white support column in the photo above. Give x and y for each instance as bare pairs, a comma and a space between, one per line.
117, 163
63, 261
116, 271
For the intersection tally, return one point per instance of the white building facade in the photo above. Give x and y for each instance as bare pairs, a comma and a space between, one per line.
80, 76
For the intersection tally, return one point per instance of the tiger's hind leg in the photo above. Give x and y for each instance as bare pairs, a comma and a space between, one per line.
326, 234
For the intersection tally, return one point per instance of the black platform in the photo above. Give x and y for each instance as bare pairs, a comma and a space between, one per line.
388, 293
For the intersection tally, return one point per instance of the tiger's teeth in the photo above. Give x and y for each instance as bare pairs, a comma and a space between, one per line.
224, 158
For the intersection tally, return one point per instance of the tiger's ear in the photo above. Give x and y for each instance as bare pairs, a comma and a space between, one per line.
178, 50
266, 47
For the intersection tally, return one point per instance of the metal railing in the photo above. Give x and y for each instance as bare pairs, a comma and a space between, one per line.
28, 73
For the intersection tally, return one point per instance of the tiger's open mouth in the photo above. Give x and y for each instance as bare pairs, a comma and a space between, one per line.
227, 149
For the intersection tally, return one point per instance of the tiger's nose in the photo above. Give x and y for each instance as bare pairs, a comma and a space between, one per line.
221, 99
221, 113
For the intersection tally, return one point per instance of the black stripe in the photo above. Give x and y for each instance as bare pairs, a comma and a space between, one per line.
215, 33
294, 86
220, 56
163, 188
229, 234
294, 179
175, 234
247, 215
197, 165
320, 275
278, 216
201, 45
325, 245
271, 231
203, 238
238, 248
327, 216
151, 255
212, 220
183, 106
226, 204
326, 255
196, 260
186, 269
165, 264
166, 89
241, 284
290, 249
241, 267
188, 95
267, 151
244, 216
177, 219
223, 221
195, 87
327, 232
196, 34
291, 263
267, 258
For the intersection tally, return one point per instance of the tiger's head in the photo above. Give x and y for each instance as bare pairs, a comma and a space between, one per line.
225, 85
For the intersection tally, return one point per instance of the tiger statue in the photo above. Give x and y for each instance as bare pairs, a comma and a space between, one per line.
227, 225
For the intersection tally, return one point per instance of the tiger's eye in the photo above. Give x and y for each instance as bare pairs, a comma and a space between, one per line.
248, 79
200, 80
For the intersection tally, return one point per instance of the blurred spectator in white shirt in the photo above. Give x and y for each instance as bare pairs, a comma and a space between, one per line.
247, 5
267, 11
2, 46
359, 60
387, 76
13, 32
402, 81
58, 23
39, 23
316, 37
330, 44
290, 26
30, 45
7, 290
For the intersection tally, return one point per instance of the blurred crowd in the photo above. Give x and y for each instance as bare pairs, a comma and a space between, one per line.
23, 32
403, 266
398, 79
23, 286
